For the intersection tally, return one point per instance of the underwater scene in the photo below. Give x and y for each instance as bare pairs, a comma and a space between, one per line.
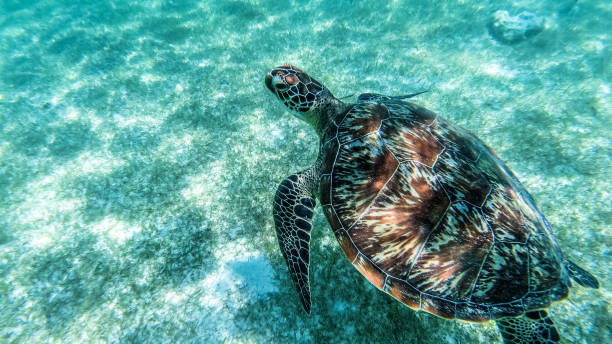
140, 154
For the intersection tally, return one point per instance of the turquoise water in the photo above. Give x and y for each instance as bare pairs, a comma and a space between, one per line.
140, 152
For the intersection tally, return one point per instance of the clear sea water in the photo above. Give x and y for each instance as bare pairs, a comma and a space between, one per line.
140, 151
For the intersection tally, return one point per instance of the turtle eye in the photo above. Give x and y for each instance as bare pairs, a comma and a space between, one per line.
291, 79
282, 87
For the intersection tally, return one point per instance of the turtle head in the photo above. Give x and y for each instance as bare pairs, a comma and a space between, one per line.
305, 97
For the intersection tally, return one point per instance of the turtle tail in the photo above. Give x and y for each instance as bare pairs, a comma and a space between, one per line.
530, 328
581, 276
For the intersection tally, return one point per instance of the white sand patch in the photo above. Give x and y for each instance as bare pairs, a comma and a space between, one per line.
114, 229
235, 281
148, 78
495, 69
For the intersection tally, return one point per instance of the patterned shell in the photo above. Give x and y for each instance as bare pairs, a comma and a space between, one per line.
430, 215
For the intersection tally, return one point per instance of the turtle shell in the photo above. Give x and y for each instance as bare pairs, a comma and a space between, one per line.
430, 215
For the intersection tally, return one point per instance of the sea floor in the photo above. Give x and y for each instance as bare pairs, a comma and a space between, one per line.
140, 152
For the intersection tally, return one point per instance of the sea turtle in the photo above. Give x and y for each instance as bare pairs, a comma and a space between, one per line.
423, 209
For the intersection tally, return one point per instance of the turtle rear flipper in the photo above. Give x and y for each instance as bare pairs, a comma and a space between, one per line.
293, 211
581, 276
530, 328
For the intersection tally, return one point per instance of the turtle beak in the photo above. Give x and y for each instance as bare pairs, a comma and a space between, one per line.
269, 82
274, 82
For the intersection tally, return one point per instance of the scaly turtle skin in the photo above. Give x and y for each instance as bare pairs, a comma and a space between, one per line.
423, 209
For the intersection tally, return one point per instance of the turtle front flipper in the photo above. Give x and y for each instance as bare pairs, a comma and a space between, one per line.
293, 211
530, 328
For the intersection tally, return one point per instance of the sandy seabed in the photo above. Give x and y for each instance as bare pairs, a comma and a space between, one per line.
140, 152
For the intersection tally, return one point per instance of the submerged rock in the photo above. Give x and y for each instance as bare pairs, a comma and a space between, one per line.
511, 29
